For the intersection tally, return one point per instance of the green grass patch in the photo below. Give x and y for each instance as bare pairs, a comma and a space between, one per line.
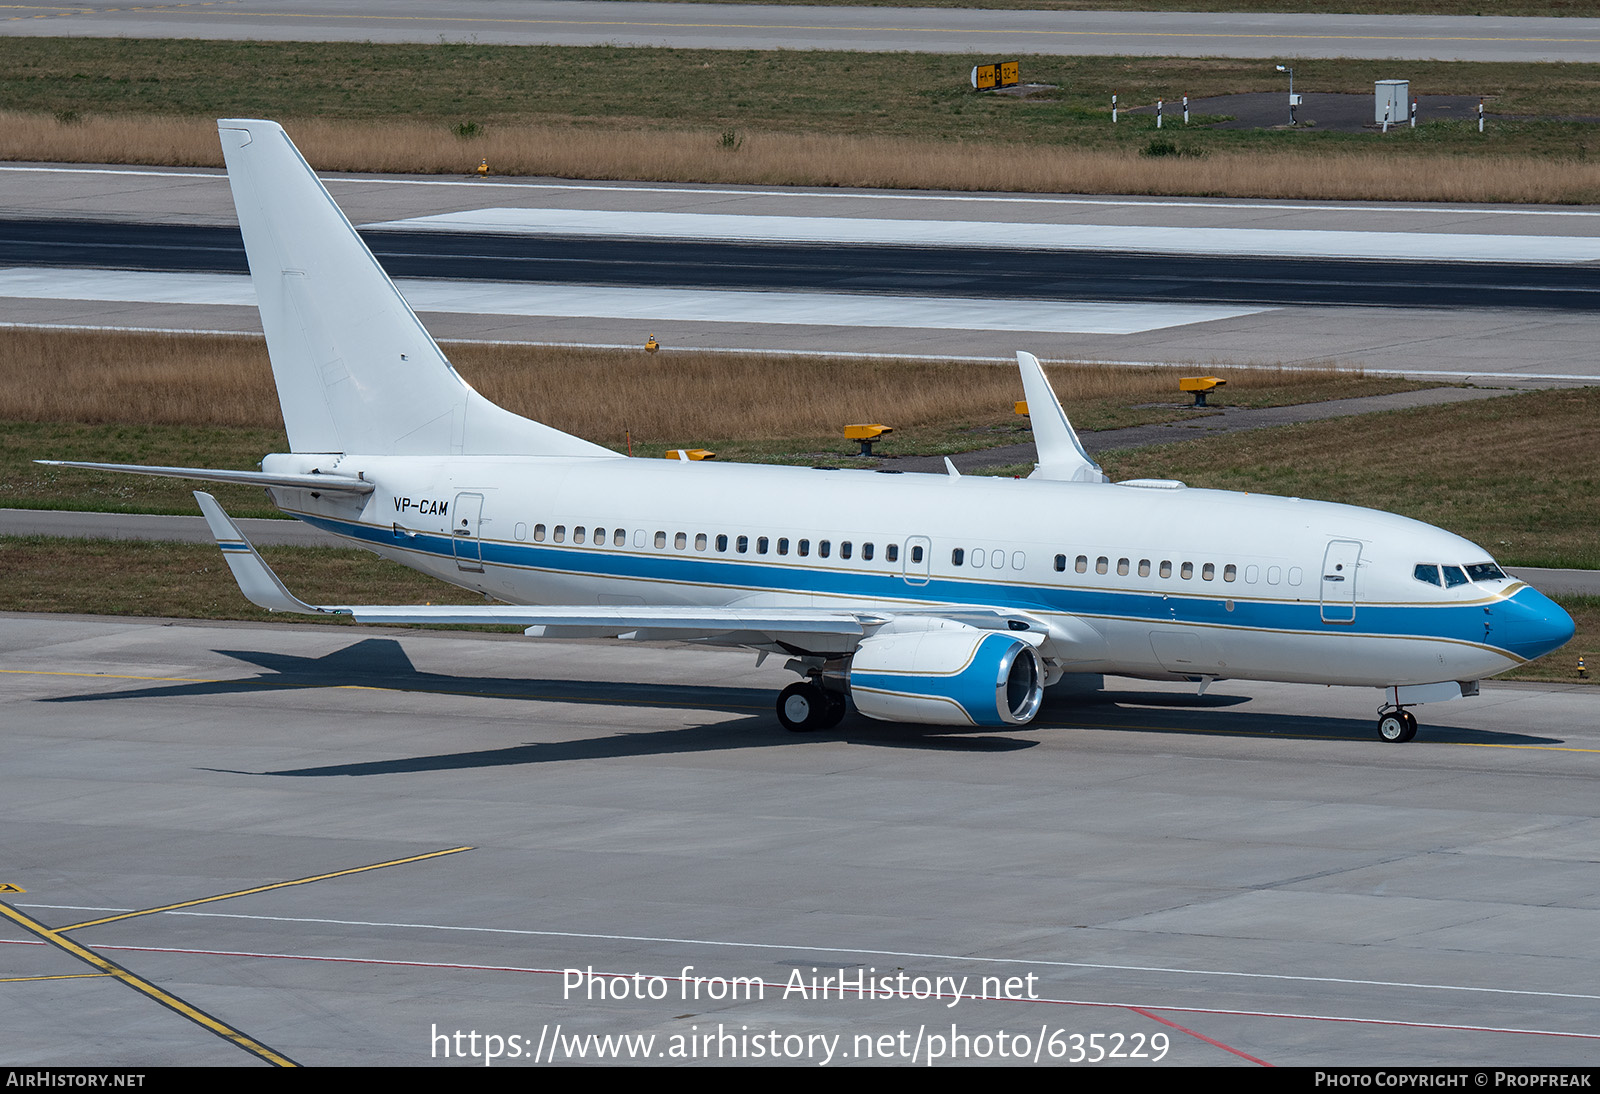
469, 89
191, 581
26, 485
1512, 474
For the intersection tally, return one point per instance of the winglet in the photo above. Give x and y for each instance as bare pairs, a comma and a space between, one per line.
1061, 456
256, 580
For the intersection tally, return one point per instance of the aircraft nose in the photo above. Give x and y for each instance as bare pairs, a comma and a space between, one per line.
1530, 624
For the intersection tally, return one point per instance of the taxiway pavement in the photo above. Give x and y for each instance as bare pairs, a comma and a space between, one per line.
785, 26
1251, 874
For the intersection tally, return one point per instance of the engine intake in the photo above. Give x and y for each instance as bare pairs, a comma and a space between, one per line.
946, 672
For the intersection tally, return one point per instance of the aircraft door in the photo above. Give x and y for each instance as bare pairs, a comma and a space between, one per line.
468, 510
918, 561
1339, 567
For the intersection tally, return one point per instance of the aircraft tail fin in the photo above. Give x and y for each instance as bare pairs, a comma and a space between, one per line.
356, 371
1061, 454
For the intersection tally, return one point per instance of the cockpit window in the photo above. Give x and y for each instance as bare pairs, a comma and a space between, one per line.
1453, 576
1427, 571
1485, 571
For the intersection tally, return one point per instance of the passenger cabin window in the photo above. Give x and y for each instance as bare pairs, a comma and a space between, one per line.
761, 545
866, 552
783, 545
1102, 564
916, 553
700, 541
1144, 567
1061, 564
1122, 567
803, 548
1208, 572
722, 543
661, 540
1187, 571
538, 533
742, 545
1166, 568
1230, 572
957, 556
844, 549
560, 535
1082, 564
681, 540
891, 553
824, 548
578, 534
619, 538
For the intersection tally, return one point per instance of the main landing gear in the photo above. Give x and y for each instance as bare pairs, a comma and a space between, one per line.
1397, 726
805, 708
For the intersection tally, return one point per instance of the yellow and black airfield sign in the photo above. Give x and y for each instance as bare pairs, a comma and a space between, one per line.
988, 77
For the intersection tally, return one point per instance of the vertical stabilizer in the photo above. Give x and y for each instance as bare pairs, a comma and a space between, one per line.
1061, 456
356, 371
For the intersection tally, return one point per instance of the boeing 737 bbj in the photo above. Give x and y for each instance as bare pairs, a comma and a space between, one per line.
920, 598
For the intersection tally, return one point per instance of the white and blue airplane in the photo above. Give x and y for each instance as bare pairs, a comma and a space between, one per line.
939, 599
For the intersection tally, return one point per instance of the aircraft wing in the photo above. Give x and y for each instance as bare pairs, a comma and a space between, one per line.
733, 625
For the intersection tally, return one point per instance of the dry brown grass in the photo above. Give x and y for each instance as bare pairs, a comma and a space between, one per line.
200, 380
141, 379
773, 158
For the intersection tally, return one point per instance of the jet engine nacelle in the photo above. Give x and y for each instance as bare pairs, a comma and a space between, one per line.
939, 671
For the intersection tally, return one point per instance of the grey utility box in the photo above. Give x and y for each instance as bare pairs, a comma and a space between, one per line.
1395, 97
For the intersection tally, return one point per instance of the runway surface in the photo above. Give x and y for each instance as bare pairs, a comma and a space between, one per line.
781, 26
862, 296
1251, 875
996, 263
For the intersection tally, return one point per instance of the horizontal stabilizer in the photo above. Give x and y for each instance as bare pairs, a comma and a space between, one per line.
328, 483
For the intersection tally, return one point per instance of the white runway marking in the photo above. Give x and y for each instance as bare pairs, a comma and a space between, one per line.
1272, 242
682, 305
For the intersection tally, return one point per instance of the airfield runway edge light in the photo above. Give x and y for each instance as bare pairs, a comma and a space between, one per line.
867, 435
1200, 386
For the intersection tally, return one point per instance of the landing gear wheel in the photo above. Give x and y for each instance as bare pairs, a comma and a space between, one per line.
834, 708
803, 708
1397, 726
